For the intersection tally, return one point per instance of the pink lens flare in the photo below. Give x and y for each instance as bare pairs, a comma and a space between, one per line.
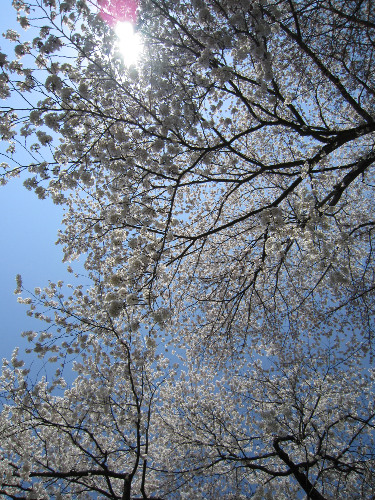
115, 11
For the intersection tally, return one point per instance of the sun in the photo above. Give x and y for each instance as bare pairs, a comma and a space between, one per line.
129, 42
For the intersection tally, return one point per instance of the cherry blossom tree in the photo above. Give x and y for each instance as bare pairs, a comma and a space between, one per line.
221, 193
299, 417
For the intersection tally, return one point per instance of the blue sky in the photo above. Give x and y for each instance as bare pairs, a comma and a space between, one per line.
28, 228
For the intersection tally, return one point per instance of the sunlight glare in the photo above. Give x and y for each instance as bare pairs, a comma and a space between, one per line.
129, 42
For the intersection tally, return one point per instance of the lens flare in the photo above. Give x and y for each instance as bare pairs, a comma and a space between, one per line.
118, 11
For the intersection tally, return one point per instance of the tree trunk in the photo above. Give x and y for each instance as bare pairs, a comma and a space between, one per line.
312, 493
127, 487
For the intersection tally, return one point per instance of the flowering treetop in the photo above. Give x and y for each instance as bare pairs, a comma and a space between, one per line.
221, 192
